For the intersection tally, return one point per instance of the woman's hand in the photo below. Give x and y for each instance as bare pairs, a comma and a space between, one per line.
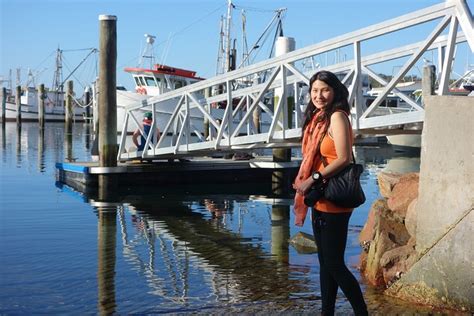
304, 186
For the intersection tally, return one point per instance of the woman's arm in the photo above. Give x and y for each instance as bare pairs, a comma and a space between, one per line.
341, 134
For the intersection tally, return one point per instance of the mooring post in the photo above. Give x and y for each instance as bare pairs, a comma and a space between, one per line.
69, 113
41, 97
279, 179
87, 100
107, 95
4, 104
428, 80
18, 104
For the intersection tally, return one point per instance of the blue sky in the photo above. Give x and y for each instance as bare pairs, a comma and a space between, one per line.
31, 30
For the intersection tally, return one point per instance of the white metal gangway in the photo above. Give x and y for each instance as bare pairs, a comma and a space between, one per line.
249, 89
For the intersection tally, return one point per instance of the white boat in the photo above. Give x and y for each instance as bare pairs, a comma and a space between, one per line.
54, 108
156, 79
54, 98
153, 81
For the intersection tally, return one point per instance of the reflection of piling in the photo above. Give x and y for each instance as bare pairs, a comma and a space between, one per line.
4, 104
107, 96
106, 256
41, 149
69, 113
18, 143
18, 105
280, 232
41, 96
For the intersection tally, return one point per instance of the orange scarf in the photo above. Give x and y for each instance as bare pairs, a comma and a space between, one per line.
311, 136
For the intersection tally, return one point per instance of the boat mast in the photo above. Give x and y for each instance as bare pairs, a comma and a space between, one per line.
224, 53
148, 52
58, 85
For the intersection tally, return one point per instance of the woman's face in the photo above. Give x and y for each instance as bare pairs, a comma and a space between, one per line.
322, 94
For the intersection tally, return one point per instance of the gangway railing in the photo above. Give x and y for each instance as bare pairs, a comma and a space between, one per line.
260, 106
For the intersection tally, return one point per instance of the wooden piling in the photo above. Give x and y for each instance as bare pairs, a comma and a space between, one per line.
4, 104
107, 98
18, 104
41, 95
107, 91
428, 80
87, 100
69, 113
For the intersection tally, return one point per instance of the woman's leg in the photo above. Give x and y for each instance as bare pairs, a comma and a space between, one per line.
327, 283
333, 238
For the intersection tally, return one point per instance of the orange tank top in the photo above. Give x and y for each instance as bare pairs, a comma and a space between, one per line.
328, 150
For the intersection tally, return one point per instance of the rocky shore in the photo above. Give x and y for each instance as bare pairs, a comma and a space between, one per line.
389, 236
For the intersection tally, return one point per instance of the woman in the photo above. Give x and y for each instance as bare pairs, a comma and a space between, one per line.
326, 120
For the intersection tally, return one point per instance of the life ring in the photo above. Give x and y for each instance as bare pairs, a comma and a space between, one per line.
141, 90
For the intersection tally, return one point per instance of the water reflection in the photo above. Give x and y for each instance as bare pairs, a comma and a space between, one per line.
41, 163
18, 145
201, 247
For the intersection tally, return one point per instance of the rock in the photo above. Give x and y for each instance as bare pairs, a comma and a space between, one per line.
387, 181
405, 191
304, 243
397, 261
411, 218
367, 233
390, 233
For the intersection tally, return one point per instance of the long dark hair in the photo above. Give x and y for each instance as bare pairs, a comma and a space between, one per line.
340, 101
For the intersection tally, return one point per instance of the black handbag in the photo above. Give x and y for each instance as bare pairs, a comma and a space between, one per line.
344, 189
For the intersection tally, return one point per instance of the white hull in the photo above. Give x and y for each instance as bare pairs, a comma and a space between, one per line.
29, 113
406, 140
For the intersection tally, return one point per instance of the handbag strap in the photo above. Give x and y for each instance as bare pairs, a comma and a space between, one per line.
323, 159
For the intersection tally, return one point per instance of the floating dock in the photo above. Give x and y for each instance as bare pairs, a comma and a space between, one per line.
198, 171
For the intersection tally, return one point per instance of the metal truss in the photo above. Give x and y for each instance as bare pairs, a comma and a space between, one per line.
248, 90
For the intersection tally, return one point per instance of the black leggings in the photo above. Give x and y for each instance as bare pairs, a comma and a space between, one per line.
330, 233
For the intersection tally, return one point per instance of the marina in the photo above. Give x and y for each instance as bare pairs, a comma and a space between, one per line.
52, 250
176, 196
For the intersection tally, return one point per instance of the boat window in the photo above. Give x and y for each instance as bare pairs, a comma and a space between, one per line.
179, 84
150, 81
137, 82
142, 82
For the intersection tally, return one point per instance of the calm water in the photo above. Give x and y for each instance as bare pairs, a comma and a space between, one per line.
160, 250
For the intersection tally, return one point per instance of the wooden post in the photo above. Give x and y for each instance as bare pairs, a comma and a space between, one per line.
4, 104
18, 104
280, 181
41, 95
87, 100
69, 113
107, 91
428, 80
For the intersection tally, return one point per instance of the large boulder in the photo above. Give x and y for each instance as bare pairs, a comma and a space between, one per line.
405, 191
386, 181
389, 233
367, 233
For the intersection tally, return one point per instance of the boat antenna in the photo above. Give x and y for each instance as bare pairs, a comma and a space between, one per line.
148, 52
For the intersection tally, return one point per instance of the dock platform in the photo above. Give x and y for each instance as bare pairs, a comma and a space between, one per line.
84, 175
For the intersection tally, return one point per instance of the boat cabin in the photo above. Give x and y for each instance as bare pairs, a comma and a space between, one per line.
161, 79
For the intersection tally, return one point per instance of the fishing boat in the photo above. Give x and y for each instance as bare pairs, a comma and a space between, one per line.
54, 98
154, 79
